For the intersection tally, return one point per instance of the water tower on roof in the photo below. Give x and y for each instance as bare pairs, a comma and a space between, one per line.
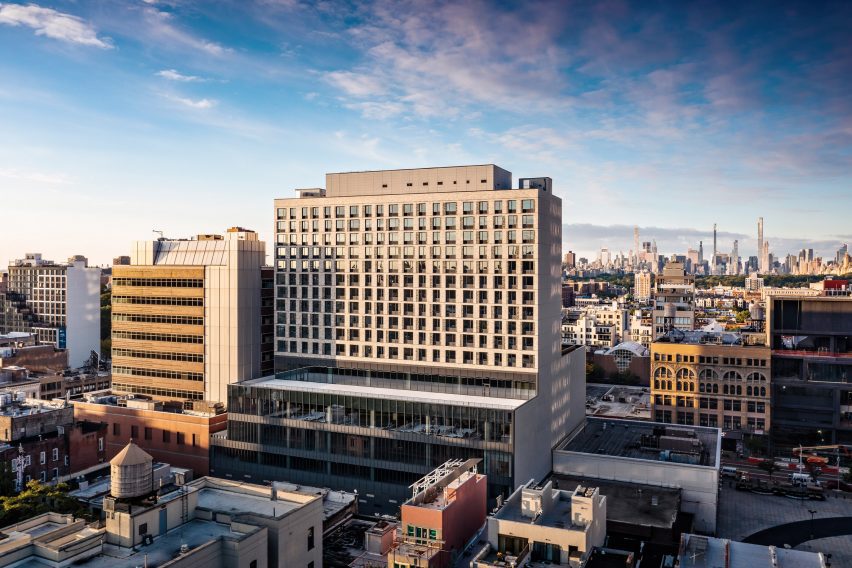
131, 473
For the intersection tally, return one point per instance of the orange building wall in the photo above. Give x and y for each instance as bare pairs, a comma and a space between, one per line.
194, 453
456, 522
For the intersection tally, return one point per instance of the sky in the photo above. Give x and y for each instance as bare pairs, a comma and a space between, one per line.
118, 118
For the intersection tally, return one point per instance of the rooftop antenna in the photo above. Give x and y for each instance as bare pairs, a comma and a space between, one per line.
159, 233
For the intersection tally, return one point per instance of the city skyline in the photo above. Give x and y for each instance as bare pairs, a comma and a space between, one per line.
192, 114
672, 240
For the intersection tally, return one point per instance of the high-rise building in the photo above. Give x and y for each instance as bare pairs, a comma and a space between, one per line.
186, 316
734, 262
570, 260
635, 259
713, 266
418, 317
762, 266
811, 369
674, 300
643, 285
841, 254
59, 303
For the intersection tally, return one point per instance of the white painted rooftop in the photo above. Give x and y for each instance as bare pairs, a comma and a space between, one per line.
395, 394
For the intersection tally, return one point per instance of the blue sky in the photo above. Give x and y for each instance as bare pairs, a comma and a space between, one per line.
117, 118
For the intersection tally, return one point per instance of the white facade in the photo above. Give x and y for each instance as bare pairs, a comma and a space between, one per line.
447, 271
63, 301
602, 325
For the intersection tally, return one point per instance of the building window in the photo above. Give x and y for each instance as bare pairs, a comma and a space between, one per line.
134, 432
42, 457
181, 438
143, 529
148, 433
55, 454
100, 444
167, 437
311, 538
116, 429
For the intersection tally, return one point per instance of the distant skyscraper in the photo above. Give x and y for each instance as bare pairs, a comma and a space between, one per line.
713, 260
636, 246
734, 264
762, 264
841, 253
700, 252
764, 257
570, 260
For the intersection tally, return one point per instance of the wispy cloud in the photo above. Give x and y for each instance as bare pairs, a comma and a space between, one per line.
174, 75
34, 177
53, 24
202, 104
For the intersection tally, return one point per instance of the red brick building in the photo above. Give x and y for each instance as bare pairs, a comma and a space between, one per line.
181, 439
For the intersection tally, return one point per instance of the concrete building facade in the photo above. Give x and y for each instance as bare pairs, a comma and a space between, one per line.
187, 317
540, 524
417, 321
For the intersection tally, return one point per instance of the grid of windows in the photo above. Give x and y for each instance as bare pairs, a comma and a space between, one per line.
188, 357
158, 373
706, 394
176, 320
166, 337
433, 281
159, 282
158, 301
169, 393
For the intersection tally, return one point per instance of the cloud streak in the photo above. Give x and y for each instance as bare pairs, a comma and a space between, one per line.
174, 75
53, 24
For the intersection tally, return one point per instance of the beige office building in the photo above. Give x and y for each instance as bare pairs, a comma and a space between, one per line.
721, 380
420, 308
418, 268
186, 316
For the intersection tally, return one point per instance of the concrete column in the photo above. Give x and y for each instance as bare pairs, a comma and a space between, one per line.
372, 419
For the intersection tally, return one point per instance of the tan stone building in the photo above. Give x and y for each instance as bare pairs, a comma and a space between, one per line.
712, 379
186, 316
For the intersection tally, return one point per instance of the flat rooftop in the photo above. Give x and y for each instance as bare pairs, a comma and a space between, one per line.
698, 337
630, 503
618, 401
559, 516
451, 399
708, 552
165, 548
623, 438
30, 407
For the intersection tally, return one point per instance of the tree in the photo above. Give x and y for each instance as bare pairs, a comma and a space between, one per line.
743, 315
37, 499
769, 466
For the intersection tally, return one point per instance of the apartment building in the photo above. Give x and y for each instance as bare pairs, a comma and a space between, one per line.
598, 325
811, 341
674, 300
59, 303
643, 286
417, 322
187, 316
712, 379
